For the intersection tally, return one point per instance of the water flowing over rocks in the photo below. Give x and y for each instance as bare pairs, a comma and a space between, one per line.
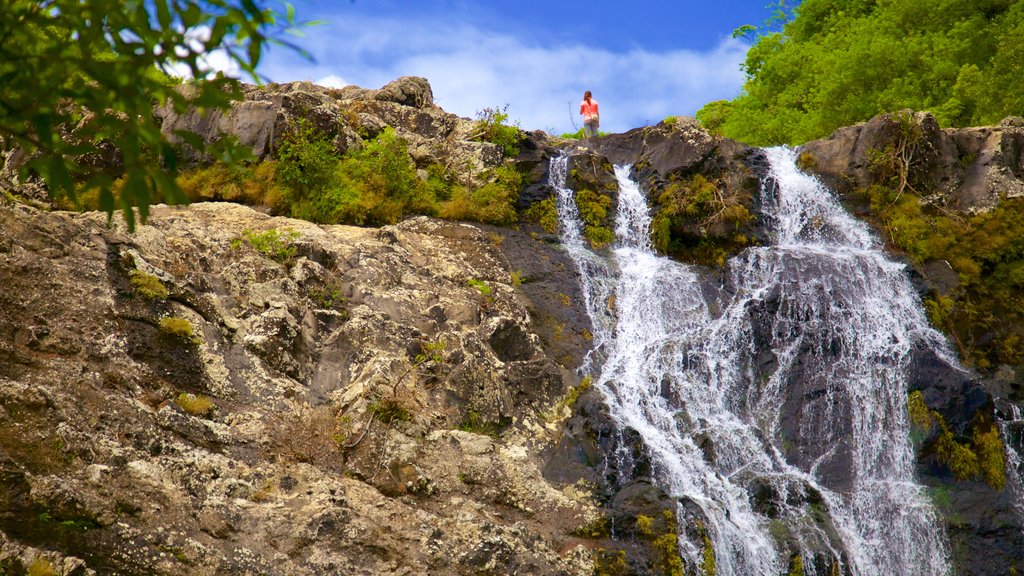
392, 401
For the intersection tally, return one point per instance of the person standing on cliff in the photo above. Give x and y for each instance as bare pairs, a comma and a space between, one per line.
588, 108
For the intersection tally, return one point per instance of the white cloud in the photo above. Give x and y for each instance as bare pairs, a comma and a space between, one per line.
332, 81
470, 68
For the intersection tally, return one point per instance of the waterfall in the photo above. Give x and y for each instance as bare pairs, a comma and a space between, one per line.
773, 405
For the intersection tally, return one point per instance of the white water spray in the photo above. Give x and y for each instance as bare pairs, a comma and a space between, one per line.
818, 327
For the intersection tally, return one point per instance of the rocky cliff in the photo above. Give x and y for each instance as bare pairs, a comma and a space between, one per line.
226, 392
186, 400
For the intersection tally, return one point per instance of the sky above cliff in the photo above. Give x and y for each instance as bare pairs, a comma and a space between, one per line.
643, 61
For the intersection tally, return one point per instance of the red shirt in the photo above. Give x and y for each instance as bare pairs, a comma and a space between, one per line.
588, 109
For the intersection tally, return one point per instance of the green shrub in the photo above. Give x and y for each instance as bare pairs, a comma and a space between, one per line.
491, 128
983, 314
492, 203
983, 456
306, 161
580, 134
593, 208
249, 184
374, 185
796, 566
474, 423
195, 404
544, 213
661, 538
40, 567
274, 244
697, 221
147, 285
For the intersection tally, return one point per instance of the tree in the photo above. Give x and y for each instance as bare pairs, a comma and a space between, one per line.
838, 62
79, 80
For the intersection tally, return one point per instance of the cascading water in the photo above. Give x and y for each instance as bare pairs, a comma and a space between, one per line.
776, 411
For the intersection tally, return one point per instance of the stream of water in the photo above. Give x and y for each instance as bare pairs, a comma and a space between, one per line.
772, 401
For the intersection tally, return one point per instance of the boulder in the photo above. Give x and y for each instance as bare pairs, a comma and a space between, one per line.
968, 169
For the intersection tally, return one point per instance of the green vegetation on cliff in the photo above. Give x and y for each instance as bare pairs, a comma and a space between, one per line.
983, 312
838, 62
981, 455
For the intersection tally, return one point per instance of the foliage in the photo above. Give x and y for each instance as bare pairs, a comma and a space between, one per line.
327, 297
492, 203
481, 286
476, 424
544, 213
984, 455
80, 80
515, 277
597, 528
610, 563
147, 285
708, 563
179, 328
306, 161
580, 134
374, 185
491, 127
837, 63
796, 566
278, 245
660, 535
984, 313
593, 208
245, 183
389, 410
41, 567
697, 221
195, 404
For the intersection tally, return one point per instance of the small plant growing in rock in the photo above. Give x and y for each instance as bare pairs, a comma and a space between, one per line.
147, 285
516, 277
593, 207
597, 528
476, 424
275, 244
983, 456
178, 327
195, 404
310, 434
544, 213
481, 286
40, 567
389, 410
610, 563
491, 127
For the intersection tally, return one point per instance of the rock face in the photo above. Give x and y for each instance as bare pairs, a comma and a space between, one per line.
968, 169
347, 115
358, 384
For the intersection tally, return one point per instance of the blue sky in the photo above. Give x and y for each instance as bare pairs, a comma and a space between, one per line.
642, 60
